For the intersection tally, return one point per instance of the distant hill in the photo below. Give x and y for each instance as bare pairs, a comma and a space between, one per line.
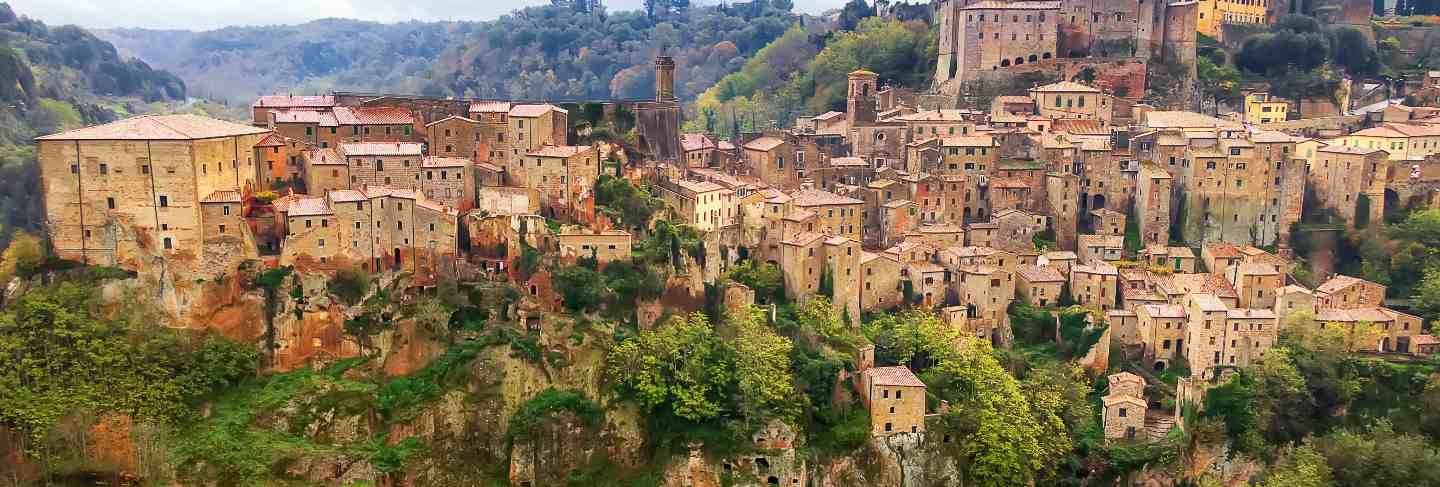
551, 52
67, 61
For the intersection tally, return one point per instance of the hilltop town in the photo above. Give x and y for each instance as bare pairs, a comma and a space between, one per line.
1155, 253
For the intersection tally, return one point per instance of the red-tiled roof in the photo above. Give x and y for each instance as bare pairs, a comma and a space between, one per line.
490, 107
531, 111
560, 151
815, 197
373, 116
432, 161
309, 206
380, 149
764, 144
694, 142
222, 197
893, 376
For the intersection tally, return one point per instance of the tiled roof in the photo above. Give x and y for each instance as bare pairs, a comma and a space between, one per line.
351, 149
1079, 127
347, 195
559, 151
1178, 119
1423, 340
453, 117
898, 203
311, 206
1345, 149
1337, 283
1111, 400
292, 101
920, 267
222, 197
296, 116
373, 116
815, 197
1033, 273
1100, 268
1256, 269
803, 239
1065, 87
1061, 255
434, 206
532, 111
1106, 241
893, 376
848, 161
799, 215
433, 161
698, 187
324, 157
937, 116
694, 142
1208, 302
389, 191
764, 144
829, 116
1270, 136
1223, 251
272, 140
1164, 310
490, 107
1125, 377
159, 127
1208, 283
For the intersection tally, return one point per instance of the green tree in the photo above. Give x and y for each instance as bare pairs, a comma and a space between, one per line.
1304, 467
763, 278
1380, 456
581, 287
681, 368
817, 315
762, 367
349, 284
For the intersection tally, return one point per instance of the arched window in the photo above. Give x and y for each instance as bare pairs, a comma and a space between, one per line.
1033, 58
1004, 63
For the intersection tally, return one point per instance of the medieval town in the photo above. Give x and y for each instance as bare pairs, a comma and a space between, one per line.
1063, 186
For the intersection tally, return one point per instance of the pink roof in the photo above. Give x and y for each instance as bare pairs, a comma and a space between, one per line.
222, 197
380, 149
694, 142
433, 161
531, 111
159, 127
490, 107
311, 206
561, 151
893, 376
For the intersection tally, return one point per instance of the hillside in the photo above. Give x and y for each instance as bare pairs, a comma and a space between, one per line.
550, 52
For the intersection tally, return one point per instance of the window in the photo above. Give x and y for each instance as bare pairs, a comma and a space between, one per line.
222, 229
104, 168
75, 169
110, 202
1122, 412
169, 244
164, 201
898, 393
321, 243
885, 393
144, 169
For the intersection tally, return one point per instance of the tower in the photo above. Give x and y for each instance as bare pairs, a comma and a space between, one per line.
860, 101
664, 79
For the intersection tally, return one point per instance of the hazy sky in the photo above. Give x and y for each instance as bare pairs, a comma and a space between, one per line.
211, 14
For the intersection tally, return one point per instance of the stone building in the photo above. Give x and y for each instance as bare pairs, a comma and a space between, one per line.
533, 127
1125, 407
1105, 221
565, 176
1349, 179
375, 124
985, 36
326, 170
1153, 191
880, 288
1101, 248
454, 136
1256, 284
1204, 333
129, 193
896, 399
449, 181
1162, 330
1094, 284
1062, 191
705, 205
773, 160
381, 163
807, 257
265, 105
379, 228
278, 160
834, 214
1345, 292
984, 293
1177, 259
1071, 100
604, 246
699, 150
1039, 285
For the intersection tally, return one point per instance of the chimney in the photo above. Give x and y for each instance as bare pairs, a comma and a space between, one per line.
664, 78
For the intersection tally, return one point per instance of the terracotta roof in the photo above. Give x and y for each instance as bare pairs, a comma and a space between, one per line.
347, 195
1178, 119
1124, 377
893, 376
828, 115
897, 203
1373, 315
799, 215
1208, 283
159, 127
1008, 99
222, 197
310, 206
1111, 400
1207, 302
490, 107
296, 116
815, 197
433, 161
940, 228
1100, 268
390, 191
921, 267
1270, 136
764, 144
559, 151
938, 116
803, 239
1256, 269
1335, 284
1164, 310
453, 117
1033, 273
373, 116
1223, 251
324, 157
435, 206
1065, 87
863, 72
488, 167
698, 186
1423, 340
849, 162
292, 101
1061, 255
351, 149
694, 142
272, 140
1106, 241
531, 111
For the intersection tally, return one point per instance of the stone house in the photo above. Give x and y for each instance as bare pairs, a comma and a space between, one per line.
382, 163
880, 288
928, 283
277, 160
896, 399
127, 192
1106, 221
972, 154
699, 150
533, 127
835, 214
385, 228
1250, 334
1255, 284
449, 181
1177, 259
375, 124
312, 127
1292, 299
938, 234
773, 160
1176, 286
1205, 334
1396, 330
604, 245
1070, 100
705, 205
265, 105
1344, 176
897, 219
1124, 327
493, 125
985, 293
1095, 284
1153, 191
1219, 256
326, 170
1061, 260
1345, 292
1125, 407
455, 136
809, 256
1039, 285
1062, 190
1162, 330
311, 231
565, 176
1101, 248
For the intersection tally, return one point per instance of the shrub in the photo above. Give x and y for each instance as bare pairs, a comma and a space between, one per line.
548, 402
350, 285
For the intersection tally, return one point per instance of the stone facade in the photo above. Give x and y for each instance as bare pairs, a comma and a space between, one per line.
1125, 407
896, 399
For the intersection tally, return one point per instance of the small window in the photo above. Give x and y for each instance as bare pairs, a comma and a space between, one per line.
169, 244
164, 201
110, 202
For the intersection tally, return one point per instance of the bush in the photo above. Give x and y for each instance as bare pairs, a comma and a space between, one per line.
548, 402
350, 285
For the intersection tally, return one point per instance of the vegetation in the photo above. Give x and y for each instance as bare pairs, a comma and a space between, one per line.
548, 402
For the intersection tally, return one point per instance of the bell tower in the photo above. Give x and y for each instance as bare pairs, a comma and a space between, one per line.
860, 102
664, 78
